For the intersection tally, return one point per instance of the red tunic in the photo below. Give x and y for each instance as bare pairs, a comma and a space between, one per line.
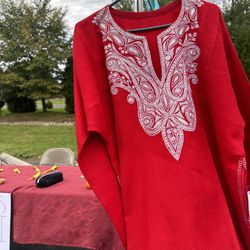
163, 126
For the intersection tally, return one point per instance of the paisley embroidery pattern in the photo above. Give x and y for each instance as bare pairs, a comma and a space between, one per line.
164, 105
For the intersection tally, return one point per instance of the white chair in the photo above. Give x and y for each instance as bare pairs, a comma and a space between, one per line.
57, 156
6, 159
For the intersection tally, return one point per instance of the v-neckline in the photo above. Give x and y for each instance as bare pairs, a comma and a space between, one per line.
160, 80
164, 105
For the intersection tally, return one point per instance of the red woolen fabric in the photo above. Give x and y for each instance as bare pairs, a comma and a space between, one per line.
155, 201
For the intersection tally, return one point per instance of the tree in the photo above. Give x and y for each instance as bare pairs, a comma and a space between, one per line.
68, 90
33, 53
126, 5
1, 101
237, 17
129, 4
163, 2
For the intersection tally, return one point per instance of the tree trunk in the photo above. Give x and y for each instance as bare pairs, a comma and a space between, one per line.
44, 105
233, 4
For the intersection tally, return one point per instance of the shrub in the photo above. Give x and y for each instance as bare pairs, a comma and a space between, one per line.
49, 105
1, 104
21, 105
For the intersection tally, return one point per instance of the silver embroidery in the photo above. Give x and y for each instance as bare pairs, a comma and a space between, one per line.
242, 170
164, 105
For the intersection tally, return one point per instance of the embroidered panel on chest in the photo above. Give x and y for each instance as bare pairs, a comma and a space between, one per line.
164, 105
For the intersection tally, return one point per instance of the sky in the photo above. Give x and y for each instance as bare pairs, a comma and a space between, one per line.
79, 9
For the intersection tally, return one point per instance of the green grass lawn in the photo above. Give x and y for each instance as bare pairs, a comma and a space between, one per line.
26, 142
29, 142
54, 101
53, 115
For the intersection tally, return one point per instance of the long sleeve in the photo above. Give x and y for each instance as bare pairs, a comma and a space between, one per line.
97, 156
225, 95
241, 88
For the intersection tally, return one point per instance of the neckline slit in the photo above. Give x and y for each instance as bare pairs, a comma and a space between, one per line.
160, 12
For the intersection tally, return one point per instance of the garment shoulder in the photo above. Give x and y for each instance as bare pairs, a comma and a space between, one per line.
86, 27
209, 17
88, 39
211, 6
209, 20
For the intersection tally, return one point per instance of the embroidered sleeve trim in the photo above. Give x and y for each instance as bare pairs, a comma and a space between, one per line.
242, 189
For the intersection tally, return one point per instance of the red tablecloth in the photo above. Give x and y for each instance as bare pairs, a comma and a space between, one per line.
65, 214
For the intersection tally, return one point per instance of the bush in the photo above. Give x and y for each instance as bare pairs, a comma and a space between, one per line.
1, 104
21, 105
49, 105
